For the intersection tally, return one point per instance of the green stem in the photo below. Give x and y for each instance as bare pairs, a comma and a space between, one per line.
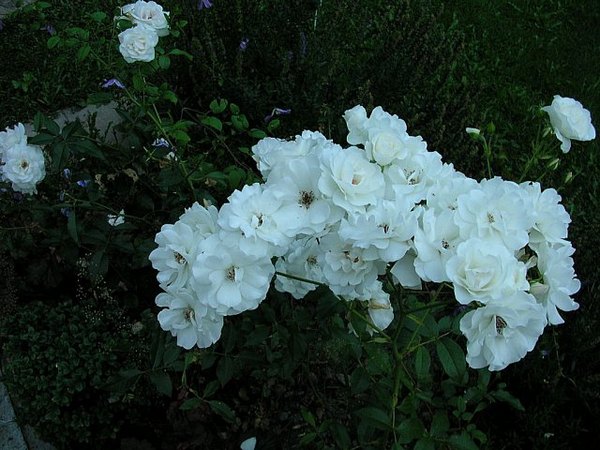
294, 277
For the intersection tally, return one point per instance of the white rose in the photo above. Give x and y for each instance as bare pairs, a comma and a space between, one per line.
502, 332
24, 167
350, 180
148, 13
484, 270
137, 43
356, 121
570, 120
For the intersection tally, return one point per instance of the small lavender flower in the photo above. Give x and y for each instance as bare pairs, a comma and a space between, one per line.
65, 211
204, 4
161, 142
112, 82
244, 44
49, 29
67, 173
303, 43
83, 183
277, 112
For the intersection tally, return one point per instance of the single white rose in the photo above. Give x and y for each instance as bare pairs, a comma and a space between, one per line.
484, 270
148, 13
137, 43
503, 331
570, 120
24, 167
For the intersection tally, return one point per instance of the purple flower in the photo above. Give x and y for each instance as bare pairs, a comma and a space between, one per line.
65, 211
83, 183
244, 44
67, 173
49, 28
204, 4
277, 112
112, 82
161, 142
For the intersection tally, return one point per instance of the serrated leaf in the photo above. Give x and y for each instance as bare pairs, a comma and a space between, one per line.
41, 139
210, 389
162, 381
223, 410
190, 403
88, 148
60, 153
452, 357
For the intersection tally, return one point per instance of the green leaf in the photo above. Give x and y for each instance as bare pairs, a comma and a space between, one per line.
210, 389
452, 357
60, 153
235, 109
164, 62
177, 52
239, 122
190, 403
88, 148
41, 139
53, 41
170, 96
462, 442
425, 444
409, 430
130, 373
162, 381
212, 122
223, 410
375, 417
256, 133
439, 424
72, 227
83, 52
181, 137
359, 380
422, 363
507, 397
98, 16
99, 98
225, 369
308, 417
273, 125
218, 106
171, 354
308, 438
340, 435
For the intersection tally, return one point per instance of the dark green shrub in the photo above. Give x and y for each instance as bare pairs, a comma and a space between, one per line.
321, 58
57, 362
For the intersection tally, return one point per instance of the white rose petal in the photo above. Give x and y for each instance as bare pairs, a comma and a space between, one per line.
137, 43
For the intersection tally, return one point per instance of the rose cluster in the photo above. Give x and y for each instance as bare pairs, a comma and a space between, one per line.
20, 163
149, 23
345, 216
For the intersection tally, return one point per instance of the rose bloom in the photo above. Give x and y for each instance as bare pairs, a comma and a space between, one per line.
148, 13
503, 331
137, 43
570, 120
24, 167
11, 137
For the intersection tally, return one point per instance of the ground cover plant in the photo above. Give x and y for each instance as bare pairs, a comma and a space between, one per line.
137, 270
